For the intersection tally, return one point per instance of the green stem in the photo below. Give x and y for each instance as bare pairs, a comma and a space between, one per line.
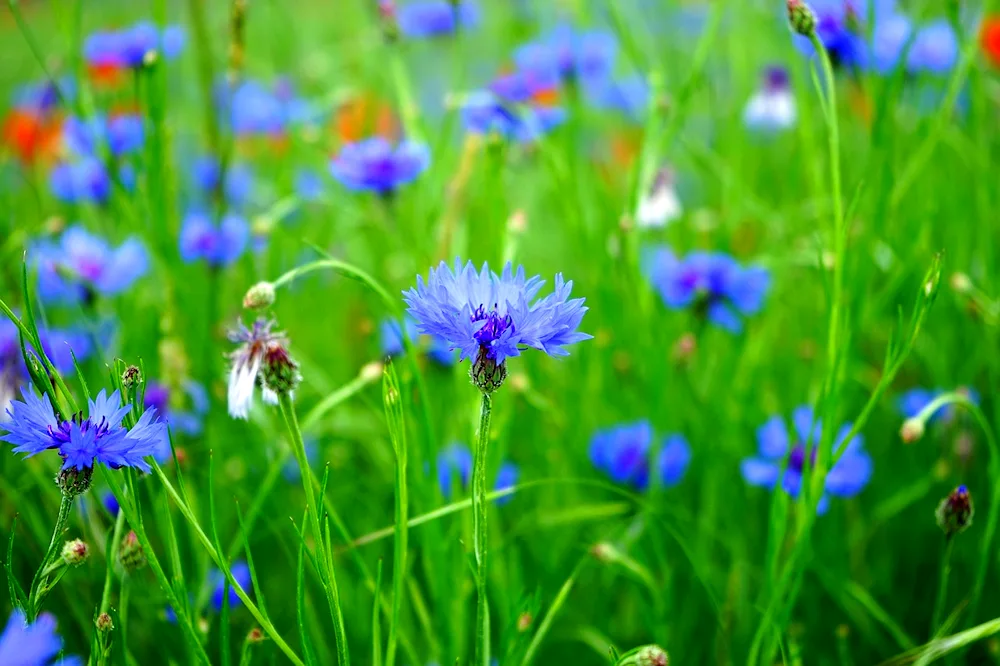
38, 584
942, 593
479, 509
115, 540
323, 562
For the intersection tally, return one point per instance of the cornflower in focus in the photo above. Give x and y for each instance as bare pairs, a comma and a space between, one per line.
422, 19
714, 284
36, 644
376, 165
260, 348
491, 318
848, 476
80, 442
454, 464
625, 453
772, 107
81, 265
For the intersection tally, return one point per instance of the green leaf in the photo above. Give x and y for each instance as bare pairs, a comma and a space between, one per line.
376, 623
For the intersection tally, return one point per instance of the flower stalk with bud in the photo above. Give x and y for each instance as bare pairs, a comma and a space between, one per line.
491, 318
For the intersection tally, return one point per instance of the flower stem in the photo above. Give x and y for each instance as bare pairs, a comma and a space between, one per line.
943, 587
323, 562
115, 541
38, 584
479, 529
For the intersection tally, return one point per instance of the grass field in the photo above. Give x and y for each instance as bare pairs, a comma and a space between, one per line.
758, 439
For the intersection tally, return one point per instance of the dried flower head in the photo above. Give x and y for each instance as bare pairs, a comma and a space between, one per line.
258, 345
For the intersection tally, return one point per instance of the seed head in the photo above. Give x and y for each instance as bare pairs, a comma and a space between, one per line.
75, 552
801, 18
260, 296
279, 372
130, 553
954, 514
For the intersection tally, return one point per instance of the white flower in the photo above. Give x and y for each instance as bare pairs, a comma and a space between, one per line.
772, 107
246, 363
661, 204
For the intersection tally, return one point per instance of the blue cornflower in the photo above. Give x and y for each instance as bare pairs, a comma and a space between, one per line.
623, 453
435, 18
715, 283
123, 134
37, 644
772, 107
101, 437
58, 345
454, 463
889, 38
254, 109
848, 476
241, 573
42, 97
584, 56
490, 317
128, 47
218, 244
913, 402
375, 165
188, 421
82, 264
839, 26
391, 339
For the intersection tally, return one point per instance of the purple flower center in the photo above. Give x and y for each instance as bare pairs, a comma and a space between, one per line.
797, 458
60, 434
90, 268
494, 327
776, 79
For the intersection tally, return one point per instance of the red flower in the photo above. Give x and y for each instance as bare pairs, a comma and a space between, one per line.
989, 37
30, 135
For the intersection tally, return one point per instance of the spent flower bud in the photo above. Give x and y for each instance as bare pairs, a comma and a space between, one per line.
954, 513
104, 623
130, 553
801, 18
279, 372
131, 378
260, 296
75, 552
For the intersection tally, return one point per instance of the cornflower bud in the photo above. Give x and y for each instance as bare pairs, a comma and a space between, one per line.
104, 623
75, 552
801, 17
912, 430
260, 296
954, 514
131, 378
130, 553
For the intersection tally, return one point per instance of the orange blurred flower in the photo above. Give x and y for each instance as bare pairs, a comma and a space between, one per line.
32, 136
364, 116
989, 37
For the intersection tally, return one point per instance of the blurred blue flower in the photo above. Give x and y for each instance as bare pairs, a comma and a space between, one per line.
489, 314
217, 244
484, 112
628, 95
206, 172
434, 18
81, 264
82, 181
772, 107
128, 47
109, 503
308, 185
454, 464
889, 38
390, 337
848, 476
33, 428
187, 421
217, 579
934, 49
122, 133
252, 108
587, 57
507, 477
716, 284
291, 470
375, 165
37, 644
623, 453
912, 402
839, 28
42, 97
